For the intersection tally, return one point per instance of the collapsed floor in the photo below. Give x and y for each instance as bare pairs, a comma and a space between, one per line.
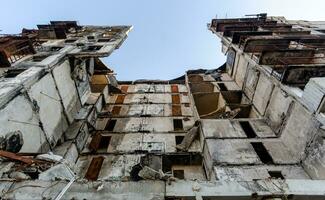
251, 129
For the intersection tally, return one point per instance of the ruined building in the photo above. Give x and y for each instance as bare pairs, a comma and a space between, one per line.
251, 129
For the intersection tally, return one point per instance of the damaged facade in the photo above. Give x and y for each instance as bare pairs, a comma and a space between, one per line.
251, 129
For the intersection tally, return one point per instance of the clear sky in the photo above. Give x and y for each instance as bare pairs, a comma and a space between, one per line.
169, 36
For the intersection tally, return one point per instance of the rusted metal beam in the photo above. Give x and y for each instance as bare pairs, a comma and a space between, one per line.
220, 27
276, 27
300, 75
242, 35
94, 168
13, 156
13, 48
292, 57
291, 32
274, 43
263, 43
230, 29
215, 22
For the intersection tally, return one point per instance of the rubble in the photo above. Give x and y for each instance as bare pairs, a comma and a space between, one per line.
12, 142
189, 138
57, 172
149, 173
19, 176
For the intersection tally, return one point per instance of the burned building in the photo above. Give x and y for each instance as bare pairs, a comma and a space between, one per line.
250, 129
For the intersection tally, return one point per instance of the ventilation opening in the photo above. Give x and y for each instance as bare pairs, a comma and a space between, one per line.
262, 153
134, 174
205, 170
70, 40
32, 172
179, 139
103, 40
88, 64
104, 142
170, 160
276, 174
110, 125
222, 87
178, 174
11, 73
146, 115
38, 58
178, 124
322, 107
94, 48
56, 48
249, 131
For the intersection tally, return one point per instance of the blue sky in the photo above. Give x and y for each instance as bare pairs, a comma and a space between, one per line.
169, 36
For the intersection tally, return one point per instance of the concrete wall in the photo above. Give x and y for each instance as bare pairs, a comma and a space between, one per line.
250, 173
251, 81
241, 71
299, 130
81, 78
148, 98
155, 110
156, 88
19, 115
114, 167
278, 108
67, 89
262, 93
152, 124
221, 129
231, 152
143, 190
51, 113
314, 163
